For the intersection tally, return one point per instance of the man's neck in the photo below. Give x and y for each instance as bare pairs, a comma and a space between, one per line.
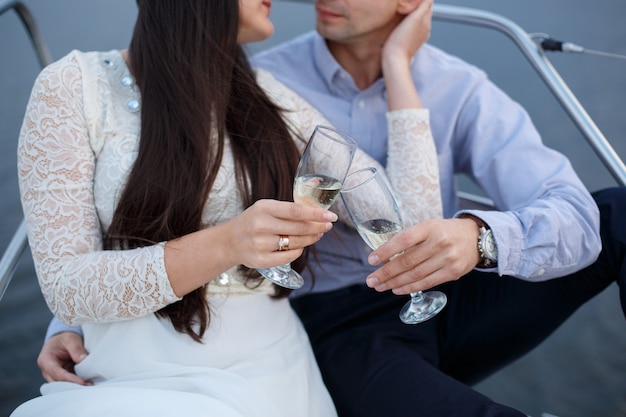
362, 62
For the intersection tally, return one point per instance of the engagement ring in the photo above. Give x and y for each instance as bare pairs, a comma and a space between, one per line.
283, 243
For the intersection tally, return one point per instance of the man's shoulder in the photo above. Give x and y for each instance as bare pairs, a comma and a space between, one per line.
286, 53
434, 66
290, 62
438, 58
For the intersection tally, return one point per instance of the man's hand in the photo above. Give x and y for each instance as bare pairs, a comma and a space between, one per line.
430, 253
59, 355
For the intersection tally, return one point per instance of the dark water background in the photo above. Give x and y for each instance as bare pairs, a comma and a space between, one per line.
579, 372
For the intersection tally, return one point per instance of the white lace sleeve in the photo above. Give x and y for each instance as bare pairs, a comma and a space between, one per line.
412, 165
80, 281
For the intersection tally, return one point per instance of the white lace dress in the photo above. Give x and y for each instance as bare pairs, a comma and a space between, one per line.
78, 142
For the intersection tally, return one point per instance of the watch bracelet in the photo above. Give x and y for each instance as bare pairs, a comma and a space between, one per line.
483, 228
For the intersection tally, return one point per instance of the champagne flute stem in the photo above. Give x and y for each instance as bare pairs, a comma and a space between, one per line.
417, 297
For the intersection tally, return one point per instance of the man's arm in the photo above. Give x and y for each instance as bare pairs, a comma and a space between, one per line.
57, 326
548, 224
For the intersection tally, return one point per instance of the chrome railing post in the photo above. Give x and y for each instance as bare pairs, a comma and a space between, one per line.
11, 257
34, 34
13, 253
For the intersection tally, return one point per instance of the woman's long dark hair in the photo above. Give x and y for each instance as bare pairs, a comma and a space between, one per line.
196, 87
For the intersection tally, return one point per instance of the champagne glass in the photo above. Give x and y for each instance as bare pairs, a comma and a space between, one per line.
319, 178
375, 213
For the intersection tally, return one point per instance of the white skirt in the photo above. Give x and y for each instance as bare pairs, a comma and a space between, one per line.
255, 360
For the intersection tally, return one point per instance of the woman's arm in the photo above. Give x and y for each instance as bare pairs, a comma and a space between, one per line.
81, 281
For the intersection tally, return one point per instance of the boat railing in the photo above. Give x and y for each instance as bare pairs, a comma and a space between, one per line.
535, 55
39, 44
532, 51
17, 245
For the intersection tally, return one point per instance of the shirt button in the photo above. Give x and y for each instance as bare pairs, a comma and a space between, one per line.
361, 104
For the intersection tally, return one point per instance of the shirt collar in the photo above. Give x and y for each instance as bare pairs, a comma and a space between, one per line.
337, 80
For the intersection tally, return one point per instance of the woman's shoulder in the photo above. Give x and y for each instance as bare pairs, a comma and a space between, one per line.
265, 79
278, 92
64, 74
85, 62
92, 74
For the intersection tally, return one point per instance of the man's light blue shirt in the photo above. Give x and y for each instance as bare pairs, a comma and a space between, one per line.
546, 223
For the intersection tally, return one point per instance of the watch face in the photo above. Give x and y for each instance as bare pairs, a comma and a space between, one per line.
489, 246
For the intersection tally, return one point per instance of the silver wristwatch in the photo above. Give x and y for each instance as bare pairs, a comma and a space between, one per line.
487, 248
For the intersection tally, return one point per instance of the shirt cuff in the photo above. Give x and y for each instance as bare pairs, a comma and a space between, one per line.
56, 326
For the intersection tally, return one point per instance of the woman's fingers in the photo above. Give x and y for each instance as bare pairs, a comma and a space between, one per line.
274, 232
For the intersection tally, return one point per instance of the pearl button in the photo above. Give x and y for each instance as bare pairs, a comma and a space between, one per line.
133, 105
223, 280
127, 81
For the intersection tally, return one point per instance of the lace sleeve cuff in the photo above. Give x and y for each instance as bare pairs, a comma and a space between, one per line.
412, 165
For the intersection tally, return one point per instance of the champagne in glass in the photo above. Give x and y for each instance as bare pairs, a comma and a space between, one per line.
316, 190
375, 213
378, 231
322, 169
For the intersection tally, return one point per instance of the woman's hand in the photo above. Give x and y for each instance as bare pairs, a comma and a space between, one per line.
256, 232
399, 49
250, 239
411, 33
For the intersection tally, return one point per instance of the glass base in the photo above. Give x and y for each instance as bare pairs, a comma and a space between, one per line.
283, 275
423, 306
